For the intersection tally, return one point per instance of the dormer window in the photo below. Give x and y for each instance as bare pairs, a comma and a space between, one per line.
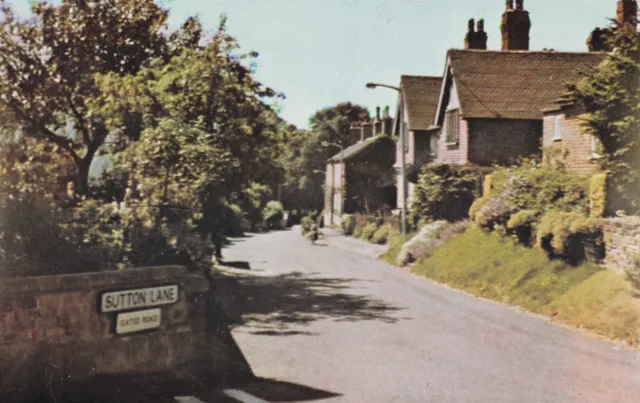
452, 118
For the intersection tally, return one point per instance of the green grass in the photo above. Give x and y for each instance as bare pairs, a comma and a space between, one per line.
605, 304
498, 268
394, 244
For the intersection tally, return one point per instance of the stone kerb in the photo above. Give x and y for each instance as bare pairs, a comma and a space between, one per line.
52, 329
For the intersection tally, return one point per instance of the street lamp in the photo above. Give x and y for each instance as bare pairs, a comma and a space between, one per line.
403, 175
342, 179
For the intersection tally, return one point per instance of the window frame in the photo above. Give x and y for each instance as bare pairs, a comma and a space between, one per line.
452, 127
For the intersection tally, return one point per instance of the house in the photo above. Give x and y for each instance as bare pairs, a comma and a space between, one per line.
354, 180
490, 110
417, 105
565, 139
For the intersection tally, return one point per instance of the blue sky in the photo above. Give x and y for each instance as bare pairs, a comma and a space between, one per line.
321, 52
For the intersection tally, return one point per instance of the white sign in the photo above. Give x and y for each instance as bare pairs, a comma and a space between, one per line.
141, 298
138, 321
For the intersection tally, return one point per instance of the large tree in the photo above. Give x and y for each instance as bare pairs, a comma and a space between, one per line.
611, 96
49, 62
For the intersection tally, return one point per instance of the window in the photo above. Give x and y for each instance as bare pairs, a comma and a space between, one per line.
557, 128
451, 124
433, 144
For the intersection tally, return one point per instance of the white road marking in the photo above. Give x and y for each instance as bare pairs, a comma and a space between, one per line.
244, 397
187, 399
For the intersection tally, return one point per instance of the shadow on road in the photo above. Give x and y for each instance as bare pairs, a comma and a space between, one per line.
279, 305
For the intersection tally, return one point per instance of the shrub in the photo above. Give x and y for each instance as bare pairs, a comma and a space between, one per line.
305, 224
493, 211
598, 195
368, 231
487, 186
348, 224
381, 235
565, 234
444, 192
273, 214
521, 224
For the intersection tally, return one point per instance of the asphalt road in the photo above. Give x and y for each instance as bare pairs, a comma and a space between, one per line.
343, 327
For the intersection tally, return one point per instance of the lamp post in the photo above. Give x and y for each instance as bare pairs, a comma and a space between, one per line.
403, 212
342, 176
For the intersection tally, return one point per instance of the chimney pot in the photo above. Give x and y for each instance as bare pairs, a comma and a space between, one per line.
509, 4
481, 25
377, 113
519, 4
472, 23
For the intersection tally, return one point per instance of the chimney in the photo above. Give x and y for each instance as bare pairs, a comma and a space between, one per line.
366, 130
515, 27
476, 38
387, 122
597, 41
377, 123
627, 12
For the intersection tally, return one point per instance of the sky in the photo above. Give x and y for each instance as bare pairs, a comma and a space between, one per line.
322, 52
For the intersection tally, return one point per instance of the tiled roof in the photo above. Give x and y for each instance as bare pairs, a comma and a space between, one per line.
514, 85
421, 95
353, 150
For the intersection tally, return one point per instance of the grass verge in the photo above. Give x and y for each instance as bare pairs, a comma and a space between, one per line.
498, 268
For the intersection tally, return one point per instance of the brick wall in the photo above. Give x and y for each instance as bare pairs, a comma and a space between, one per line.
574, 151
502, 141
622, 238
52, 330
453, 154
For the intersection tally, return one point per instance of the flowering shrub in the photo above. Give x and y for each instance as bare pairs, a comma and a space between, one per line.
565, 234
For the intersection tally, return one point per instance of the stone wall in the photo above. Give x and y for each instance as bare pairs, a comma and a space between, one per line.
53, 333
622, 238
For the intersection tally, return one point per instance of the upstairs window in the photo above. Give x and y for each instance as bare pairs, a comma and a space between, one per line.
595, 147
452, 119
557, 128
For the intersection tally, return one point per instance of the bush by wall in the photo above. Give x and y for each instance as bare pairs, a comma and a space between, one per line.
571, 235
348, 224
368, 231
381, 235
444, 192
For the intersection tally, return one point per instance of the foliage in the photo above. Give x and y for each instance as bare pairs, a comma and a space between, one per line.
430, 238
558, 232
531, 187
273, 214
394, 245
368, 231
306, 224
348, 224
598, 195
610, 96
32, 243
496, 267
48, 66
381, 235
487, 185
444, 192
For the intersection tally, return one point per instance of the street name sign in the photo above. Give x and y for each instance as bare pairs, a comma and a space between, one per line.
141, 298
138, 321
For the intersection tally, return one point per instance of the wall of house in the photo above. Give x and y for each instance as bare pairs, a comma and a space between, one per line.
453, 154
503, 141
622, 240
574, 151
52, 331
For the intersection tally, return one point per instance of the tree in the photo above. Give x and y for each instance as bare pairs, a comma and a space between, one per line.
610, 94
48, 66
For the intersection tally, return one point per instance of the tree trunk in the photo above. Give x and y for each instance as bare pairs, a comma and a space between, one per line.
82, 181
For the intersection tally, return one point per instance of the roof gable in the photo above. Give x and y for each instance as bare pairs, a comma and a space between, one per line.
513, 84
420, 94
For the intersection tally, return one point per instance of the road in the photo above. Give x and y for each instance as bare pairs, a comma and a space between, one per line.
346, 328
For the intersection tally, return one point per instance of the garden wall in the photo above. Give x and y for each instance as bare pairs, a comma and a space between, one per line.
53, 330
622, 238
